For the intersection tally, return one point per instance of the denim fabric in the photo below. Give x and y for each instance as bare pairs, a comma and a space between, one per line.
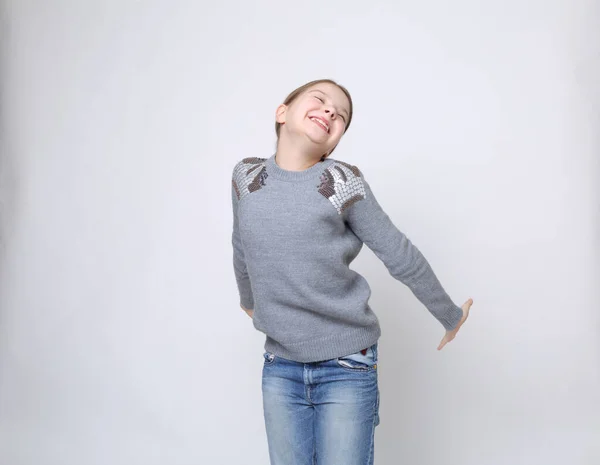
322, 412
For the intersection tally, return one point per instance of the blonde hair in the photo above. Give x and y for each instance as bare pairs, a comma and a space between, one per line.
297, 92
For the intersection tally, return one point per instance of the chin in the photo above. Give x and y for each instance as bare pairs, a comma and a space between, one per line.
320, 139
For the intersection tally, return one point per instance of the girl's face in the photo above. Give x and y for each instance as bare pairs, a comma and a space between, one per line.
319, 113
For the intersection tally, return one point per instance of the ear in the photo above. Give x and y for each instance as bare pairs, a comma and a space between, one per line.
281, 113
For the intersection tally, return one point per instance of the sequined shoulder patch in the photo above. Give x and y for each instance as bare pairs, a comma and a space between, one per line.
342, 184
249, 175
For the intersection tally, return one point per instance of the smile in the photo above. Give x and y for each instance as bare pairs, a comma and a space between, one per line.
321, 123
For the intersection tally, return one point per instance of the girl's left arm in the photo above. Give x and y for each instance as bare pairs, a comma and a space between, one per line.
402, 258
239, 261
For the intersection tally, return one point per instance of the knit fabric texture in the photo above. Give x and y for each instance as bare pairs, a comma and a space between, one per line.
295, 234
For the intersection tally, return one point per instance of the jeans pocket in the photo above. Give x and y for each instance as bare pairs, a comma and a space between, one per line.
359, 361
269, 358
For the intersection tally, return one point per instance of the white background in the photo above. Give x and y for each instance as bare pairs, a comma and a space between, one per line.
476, 124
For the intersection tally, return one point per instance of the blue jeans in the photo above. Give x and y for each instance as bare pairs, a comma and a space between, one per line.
322, 412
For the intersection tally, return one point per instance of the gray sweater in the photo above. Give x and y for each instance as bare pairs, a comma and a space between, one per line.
295, 234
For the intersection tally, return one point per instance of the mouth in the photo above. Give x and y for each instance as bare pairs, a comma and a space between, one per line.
324, 125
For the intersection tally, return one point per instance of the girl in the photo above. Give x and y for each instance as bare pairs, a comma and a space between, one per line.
300, 218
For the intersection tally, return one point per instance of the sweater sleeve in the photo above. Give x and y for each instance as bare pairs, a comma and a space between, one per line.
403, 260
239, 261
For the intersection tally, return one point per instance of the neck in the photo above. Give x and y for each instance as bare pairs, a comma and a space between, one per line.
293, 156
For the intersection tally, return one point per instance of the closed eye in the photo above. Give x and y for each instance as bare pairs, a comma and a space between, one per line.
323, 101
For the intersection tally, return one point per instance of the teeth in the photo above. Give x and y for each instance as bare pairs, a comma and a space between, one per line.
318, 121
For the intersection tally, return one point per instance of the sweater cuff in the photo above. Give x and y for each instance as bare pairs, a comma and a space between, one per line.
451, 319
246, 297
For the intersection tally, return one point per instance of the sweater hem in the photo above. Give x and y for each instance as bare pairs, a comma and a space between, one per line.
326, 348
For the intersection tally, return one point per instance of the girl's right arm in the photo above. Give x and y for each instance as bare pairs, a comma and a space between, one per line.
250, 313
239, 262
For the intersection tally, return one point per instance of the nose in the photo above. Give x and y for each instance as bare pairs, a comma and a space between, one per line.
330, 112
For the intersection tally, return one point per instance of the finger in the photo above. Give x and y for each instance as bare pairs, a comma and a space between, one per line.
442, 343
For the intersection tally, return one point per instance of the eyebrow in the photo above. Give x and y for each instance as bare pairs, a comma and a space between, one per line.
317, 90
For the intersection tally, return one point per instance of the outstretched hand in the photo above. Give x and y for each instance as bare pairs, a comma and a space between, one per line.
451, 334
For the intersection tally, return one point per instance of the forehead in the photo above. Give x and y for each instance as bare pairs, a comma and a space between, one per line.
332, 91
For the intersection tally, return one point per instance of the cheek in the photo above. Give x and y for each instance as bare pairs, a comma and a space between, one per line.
308, 105
299, 112
339, 129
